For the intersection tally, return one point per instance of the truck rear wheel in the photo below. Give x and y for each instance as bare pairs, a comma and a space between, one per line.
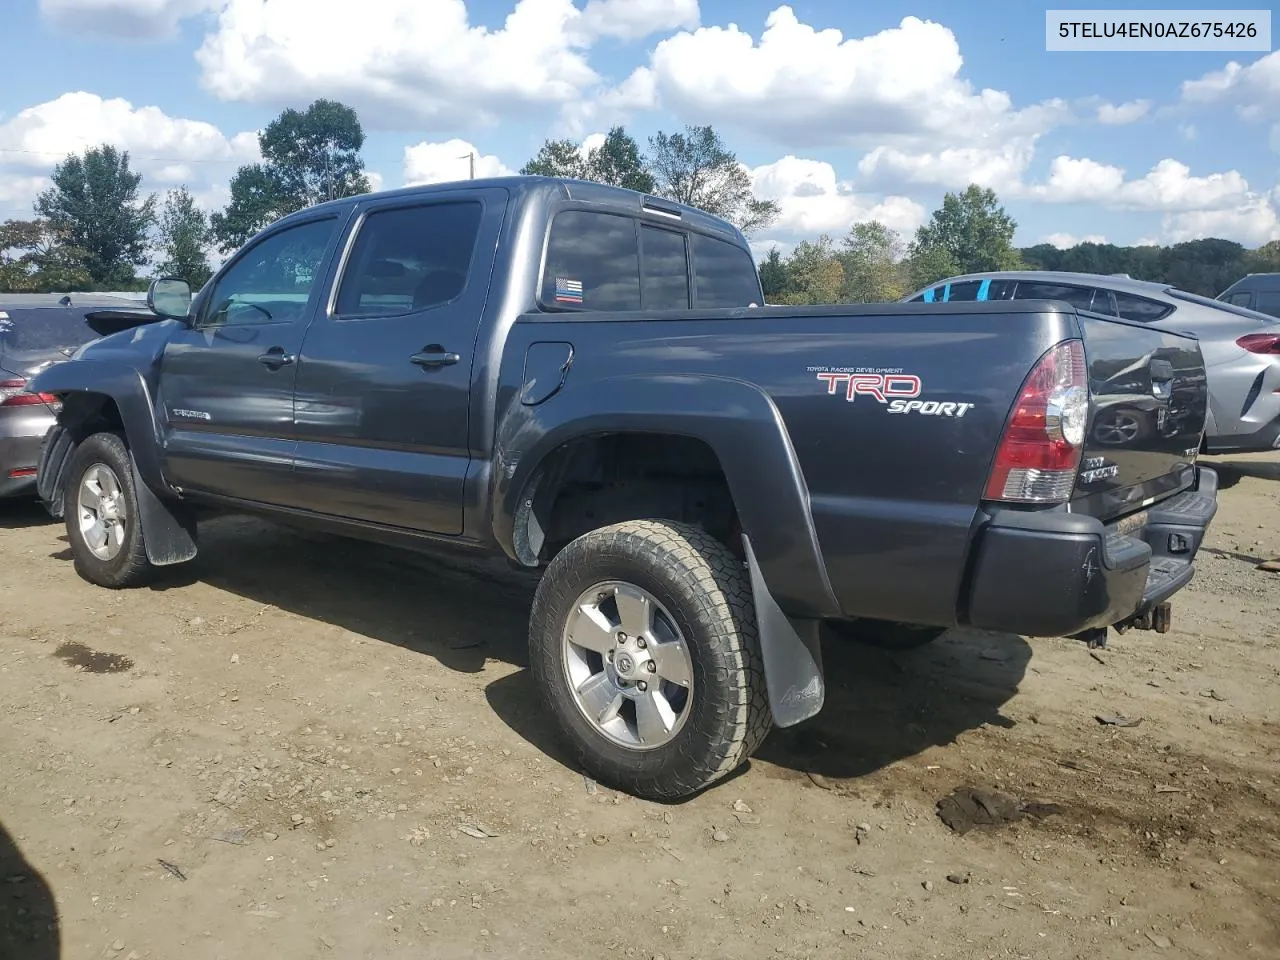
643, 643
100, 507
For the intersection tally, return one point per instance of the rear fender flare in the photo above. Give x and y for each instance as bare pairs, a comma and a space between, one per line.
737, 420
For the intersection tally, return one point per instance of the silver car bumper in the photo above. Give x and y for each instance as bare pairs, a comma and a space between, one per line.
21, 431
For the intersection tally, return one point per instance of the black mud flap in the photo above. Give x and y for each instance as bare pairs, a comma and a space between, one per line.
791, 651
55, 453
168, 528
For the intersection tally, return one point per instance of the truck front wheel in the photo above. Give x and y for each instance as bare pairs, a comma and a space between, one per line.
643, 642
100, 507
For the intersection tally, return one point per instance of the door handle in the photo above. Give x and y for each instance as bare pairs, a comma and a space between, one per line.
434, 356
275, 358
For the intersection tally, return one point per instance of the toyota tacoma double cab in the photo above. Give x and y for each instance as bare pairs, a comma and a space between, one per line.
587, 380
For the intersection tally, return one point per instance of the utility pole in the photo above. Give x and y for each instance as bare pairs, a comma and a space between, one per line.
471, 157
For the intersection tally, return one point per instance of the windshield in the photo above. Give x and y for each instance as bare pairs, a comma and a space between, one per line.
43, 331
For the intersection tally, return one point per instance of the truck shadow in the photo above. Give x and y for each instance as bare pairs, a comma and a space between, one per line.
29, 926
880, 706
19, 512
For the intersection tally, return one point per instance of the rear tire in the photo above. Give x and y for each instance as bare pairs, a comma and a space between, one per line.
643, 642
885, 634
100, 507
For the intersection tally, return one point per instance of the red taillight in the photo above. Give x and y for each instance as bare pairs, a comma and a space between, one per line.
13, 393
1260, 342
1040, 450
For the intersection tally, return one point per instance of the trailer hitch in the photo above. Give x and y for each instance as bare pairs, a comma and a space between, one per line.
1158, 618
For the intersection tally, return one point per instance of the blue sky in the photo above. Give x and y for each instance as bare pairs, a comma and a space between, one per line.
842, 110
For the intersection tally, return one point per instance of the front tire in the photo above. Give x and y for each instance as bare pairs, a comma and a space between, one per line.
643, 642
100, 507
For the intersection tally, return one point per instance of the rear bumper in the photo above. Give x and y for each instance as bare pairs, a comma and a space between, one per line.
1056, 574
21, 430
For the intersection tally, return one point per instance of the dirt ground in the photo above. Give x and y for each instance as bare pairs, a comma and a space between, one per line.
306, 748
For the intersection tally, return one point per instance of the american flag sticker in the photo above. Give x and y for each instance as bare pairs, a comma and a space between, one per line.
568, 291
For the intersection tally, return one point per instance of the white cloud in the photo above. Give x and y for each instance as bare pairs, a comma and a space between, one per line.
1167, 187
1252, 222
443, 162
406, 63
808, 87
1116, 115
1065, 240
813, 201
1254, 89
168, 151
998, 166
1188, 131
636, 19
124, 19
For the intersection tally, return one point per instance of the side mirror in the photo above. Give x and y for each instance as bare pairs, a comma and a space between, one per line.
170, 297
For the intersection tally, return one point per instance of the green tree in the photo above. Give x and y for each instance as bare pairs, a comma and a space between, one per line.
308, 156
872, 260
773, 277
184, 239
557, 158
1266, 259
94, 205
969, 233
617, 161
36, 258
1206, 267
927, 265
695, 168
814, 274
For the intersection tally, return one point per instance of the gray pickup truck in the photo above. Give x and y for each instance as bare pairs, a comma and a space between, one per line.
583, 378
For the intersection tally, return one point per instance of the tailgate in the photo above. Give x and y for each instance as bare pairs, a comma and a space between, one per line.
1149, 395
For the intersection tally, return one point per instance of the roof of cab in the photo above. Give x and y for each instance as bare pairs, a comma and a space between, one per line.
620, 199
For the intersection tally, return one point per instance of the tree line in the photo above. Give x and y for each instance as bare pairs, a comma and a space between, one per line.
94, 230
972, 233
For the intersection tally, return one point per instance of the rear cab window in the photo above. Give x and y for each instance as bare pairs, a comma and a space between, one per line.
724, 274
613, 262
593, 262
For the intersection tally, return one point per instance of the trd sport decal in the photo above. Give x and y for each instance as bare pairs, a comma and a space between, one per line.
897, 390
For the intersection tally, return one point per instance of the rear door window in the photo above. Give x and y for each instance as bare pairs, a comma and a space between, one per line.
724, 274
665, 270
409, 258
1141, 309
1078, 297
593, 262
